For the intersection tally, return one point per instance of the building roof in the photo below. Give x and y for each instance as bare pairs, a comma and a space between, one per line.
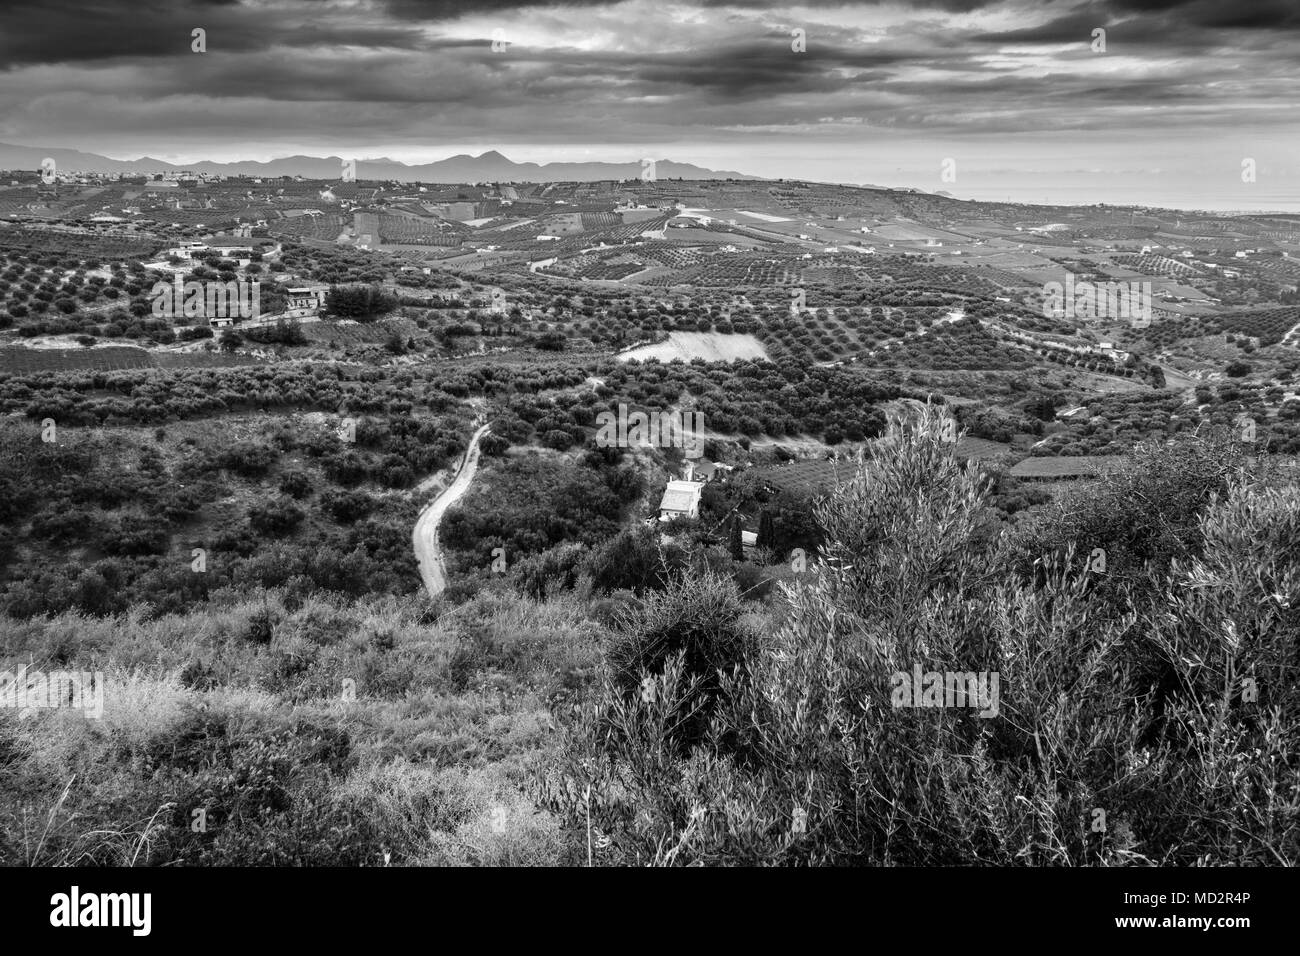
682, 496
238, 242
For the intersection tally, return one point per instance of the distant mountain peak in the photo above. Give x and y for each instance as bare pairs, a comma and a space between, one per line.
490, 165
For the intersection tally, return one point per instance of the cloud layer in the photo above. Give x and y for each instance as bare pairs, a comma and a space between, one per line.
882, 92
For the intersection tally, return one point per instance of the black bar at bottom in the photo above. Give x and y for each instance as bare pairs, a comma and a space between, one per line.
338, 907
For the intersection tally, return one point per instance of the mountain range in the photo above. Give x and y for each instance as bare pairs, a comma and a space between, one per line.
487, 167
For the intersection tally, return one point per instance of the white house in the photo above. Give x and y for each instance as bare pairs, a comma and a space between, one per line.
186, 250
1118, 355
681, 500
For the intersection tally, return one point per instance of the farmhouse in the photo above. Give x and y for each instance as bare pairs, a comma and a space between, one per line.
681, 500
305, 300
186, 250
225, 244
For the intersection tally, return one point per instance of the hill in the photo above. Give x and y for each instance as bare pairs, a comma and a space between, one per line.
490, 166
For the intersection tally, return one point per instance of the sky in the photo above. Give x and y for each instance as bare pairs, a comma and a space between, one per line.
1181, 103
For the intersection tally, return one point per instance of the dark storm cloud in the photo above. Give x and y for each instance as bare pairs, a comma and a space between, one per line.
758, 70
87, 31
632, 72
1260, 14
76, 31
436, 10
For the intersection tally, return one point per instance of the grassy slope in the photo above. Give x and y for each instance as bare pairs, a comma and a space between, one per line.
219, 712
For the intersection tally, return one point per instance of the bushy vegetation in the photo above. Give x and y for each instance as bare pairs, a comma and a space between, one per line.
363, 302
531, 504
597, 686
805, 759
101, 522
256, 732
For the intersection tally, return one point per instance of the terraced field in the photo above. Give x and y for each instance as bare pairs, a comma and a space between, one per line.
1157, 265
17, 360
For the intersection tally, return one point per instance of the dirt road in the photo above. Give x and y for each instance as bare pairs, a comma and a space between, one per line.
433, 569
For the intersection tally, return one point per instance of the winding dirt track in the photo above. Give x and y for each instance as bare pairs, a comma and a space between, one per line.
433, 569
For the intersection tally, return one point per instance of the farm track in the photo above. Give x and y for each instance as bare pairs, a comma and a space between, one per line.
424, 536
1290, 337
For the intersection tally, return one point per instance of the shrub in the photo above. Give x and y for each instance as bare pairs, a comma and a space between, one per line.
359, 302
811, 754
348, 506
249, 459
275, 517
296, 483
693, 624
550, 572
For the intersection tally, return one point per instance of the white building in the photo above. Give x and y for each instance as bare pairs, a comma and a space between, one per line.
681, 500
186, 250
305, 300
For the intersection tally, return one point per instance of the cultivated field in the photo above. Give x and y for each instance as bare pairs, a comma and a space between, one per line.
710, 346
